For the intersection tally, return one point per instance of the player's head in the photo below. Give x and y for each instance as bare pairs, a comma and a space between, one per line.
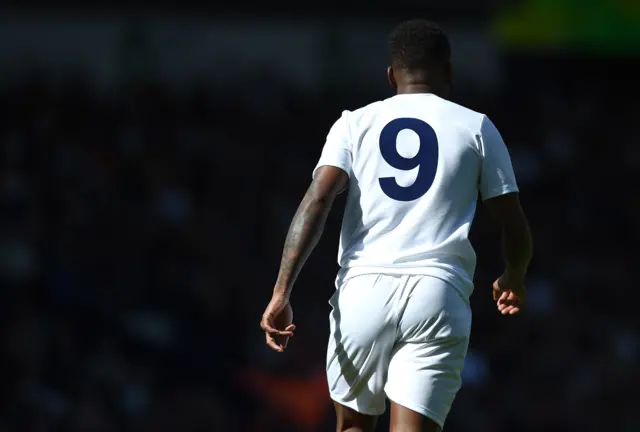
420, 56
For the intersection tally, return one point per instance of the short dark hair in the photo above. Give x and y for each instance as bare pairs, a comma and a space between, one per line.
418, 44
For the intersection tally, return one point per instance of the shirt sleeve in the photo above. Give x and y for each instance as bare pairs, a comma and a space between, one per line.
497, 176
337, 148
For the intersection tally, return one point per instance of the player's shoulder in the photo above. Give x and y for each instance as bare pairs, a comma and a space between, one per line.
461, 114
359, 119
364, 112
369, 108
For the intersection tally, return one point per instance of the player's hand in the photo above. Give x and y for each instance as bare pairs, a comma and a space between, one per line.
277, 322
509, 293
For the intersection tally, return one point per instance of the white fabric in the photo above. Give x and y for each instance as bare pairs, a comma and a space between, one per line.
413, 190
405, 337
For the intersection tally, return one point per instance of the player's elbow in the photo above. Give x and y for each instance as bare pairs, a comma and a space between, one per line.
318, 198
508, 213
317, 203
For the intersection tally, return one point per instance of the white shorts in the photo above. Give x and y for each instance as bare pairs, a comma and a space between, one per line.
403, 336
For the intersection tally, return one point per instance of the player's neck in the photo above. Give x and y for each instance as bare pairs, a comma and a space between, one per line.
419, 81
419, 89
414, 89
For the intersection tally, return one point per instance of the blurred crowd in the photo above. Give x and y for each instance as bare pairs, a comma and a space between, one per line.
141, 232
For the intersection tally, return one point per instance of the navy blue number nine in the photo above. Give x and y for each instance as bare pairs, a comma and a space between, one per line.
426, 158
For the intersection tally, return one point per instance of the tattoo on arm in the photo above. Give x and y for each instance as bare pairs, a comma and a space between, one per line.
304, 233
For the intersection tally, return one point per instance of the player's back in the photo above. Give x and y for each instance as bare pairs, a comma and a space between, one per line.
417, 162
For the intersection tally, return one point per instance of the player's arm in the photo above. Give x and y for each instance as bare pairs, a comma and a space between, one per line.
304, 233
517, 246
499, 191
308, 223
330, 177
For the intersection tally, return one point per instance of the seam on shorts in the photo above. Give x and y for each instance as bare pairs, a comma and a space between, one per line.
420, 409
354, 406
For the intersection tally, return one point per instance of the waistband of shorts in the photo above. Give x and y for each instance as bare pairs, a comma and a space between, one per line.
461, 284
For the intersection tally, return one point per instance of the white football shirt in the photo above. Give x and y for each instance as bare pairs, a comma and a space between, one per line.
416, 163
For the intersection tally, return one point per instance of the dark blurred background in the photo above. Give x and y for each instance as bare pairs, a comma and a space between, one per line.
151, 163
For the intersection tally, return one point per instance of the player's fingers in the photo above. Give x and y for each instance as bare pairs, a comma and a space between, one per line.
507, 298
497, 291
282, 333
276, 332
506, 310
510, 309
272, 343
267, 327
503, 302
499, 294
518, 301
282, 341
503, 296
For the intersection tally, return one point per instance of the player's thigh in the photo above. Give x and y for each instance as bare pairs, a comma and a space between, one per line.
362, 335
349, 420
426, 364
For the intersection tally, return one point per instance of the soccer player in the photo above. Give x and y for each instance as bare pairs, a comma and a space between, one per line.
413, 165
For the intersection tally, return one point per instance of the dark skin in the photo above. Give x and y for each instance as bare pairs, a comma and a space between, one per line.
307, 226
437, 81
304, 232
